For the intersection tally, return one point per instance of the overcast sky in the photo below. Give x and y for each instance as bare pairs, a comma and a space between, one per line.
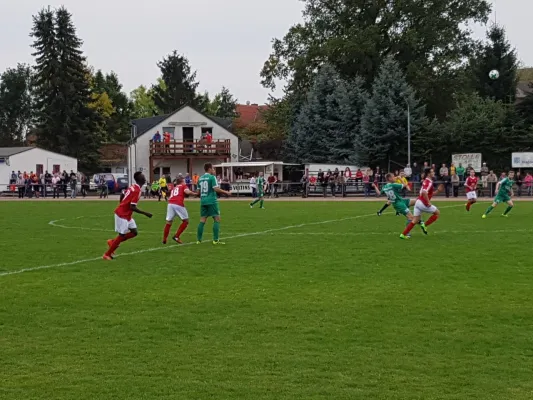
226, 41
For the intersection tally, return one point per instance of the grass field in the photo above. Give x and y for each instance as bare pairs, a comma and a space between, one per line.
307, 300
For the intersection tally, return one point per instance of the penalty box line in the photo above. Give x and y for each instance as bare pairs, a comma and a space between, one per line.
248, 234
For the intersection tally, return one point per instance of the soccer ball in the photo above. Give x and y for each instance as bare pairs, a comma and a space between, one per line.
494, 74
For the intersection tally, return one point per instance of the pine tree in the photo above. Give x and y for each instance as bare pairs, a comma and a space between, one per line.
497, 54
65, 124
384, 122
314, 133
180, 84
352, 100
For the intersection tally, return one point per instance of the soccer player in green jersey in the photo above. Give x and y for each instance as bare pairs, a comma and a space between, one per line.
504, 192
208, 189
260, 182
393, 191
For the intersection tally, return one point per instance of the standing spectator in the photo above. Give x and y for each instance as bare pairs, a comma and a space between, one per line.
455, 184
85, 185
253, 186
271, 181
320, 176
336, 173
42, 185
157, 137
56, 183
461, 172
332, 183
528, 181
447, 183
166, 139
484, 174
443, 171
305, 184
239, 173
35, 182
324, 184
358, 178
491, 180
453, 170
13, 178
195, 178
341, 184
73, 180
21, 184
188, 181
518, 180
378, 178
408, 171
366, 182
64, 182
416, 172
47, 180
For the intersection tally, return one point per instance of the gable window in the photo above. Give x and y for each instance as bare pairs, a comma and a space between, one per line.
56, 169
39, 169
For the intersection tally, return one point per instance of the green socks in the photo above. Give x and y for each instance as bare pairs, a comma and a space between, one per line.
509, 208
255, 202
261, 203
200, 231
489, 210
216, 231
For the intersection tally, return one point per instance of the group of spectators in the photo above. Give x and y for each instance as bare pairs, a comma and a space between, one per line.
162, 143
271, 185
31, 184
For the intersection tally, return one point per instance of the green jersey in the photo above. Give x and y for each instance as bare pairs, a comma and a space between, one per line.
260, 184
155, 186
207, 184
393, 191
506, 185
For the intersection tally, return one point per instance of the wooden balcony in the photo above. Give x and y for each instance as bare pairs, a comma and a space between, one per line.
190, 149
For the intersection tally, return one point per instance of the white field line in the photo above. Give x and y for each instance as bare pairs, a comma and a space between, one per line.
148, 250
397, 233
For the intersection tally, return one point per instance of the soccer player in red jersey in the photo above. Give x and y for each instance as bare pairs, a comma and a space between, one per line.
124, 223
470, 189
176, 208
423, 205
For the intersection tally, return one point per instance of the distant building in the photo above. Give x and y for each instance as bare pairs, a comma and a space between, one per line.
248, 114
523, 89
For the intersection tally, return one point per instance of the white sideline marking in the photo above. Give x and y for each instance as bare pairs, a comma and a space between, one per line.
396, 233
66, 264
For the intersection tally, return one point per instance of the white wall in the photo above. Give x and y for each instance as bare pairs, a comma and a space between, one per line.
29, 159
140, 153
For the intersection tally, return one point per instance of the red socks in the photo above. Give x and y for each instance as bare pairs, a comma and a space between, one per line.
408, 228
166, 232
182, 227
118, 240
432, 219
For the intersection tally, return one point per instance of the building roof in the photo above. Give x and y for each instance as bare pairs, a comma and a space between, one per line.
11, 151
525, 87
248, 113
145, 124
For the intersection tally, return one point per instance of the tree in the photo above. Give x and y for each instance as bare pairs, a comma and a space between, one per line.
65, 122
429, 38
143, 104
16, 105
497, 54
384, 122
224, 105
180, 84
315, 131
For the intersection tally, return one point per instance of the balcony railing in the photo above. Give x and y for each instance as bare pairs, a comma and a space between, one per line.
195, 147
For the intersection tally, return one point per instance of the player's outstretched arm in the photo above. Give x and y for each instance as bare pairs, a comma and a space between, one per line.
135, 209
376, 188
222, 192
191, 193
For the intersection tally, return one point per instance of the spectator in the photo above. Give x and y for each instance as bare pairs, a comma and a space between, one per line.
195, 178
408, 171
20, 186
416, 172
166, 139
461, 172
484, 170
378, 178
332, 183
446, 179
491, 181
455, 184
305, 184
443, 171
324, 184
336, 173
528, 181
358, 178
188, 181
271, 180
347, 173
13, 178
453, 170
253, 186
56, 183
157, 137
47, 180
73, 182
35, 182
366, 182
518, 181
239, 173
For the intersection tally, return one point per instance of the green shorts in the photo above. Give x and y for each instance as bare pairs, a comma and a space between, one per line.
502, 198
209, 210
402, 206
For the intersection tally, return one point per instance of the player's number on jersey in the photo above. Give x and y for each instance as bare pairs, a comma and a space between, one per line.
204, 187
175, 192
126, 194
390, 195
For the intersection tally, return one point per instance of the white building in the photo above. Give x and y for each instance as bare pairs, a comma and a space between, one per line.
187, 151
32, 159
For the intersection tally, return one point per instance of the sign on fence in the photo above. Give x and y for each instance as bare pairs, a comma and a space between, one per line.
466, 159
522, 160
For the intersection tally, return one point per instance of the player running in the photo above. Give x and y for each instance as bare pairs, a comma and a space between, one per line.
393, 191
504, 192
176, 208
423, 205
470, 189
208, 189
260, 182
125, 225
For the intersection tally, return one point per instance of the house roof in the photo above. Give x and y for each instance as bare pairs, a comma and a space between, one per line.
248, 113
11, 151
525, 86
145, 124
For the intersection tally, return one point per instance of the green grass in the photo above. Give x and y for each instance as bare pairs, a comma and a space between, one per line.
335, 310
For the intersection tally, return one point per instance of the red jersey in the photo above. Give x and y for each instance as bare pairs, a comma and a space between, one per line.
132, 196
177, 196
470, 183
427, 186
